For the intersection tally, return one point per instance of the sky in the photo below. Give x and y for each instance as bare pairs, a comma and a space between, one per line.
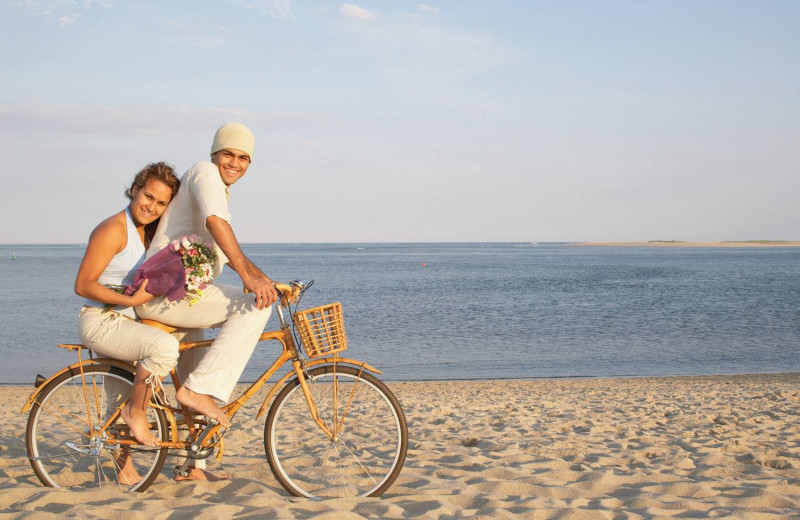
395, 121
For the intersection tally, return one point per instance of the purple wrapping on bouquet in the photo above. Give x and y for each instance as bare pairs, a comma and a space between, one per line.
165, 275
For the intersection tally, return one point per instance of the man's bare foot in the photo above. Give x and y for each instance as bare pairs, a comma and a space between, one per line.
126, 471
201, 474
202, 403
136, 419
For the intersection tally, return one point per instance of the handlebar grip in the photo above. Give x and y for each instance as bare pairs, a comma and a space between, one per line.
288, 292
283, 287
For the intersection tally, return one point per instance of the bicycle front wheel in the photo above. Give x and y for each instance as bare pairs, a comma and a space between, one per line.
365, 455
65, 446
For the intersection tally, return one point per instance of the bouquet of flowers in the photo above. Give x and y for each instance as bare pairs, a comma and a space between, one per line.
198, 260
181, 270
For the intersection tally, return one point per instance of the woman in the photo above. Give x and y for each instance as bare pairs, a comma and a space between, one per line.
107, 323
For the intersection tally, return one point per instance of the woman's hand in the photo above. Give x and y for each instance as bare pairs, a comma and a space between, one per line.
140, 296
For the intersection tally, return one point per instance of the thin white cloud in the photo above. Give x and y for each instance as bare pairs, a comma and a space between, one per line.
278, 9
424, 52
33, 118
354, 12
67, 20
425, 8
191, 36
200, 41
63, 12
21, 120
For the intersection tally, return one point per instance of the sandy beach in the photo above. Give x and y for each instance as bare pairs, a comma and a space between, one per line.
644, 448
679, 243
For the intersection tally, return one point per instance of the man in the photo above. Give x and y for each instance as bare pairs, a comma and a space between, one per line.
201, 207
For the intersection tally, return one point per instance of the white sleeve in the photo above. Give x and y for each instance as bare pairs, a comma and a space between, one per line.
209, 192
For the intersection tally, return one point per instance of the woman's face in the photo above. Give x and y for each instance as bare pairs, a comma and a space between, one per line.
150, 201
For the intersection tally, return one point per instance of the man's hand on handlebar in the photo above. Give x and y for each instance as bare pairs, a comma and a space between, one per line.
263, 289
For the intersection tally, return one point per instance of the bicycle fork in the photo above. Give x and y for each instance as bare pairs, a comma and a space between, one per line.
338, 413
312, 406
297, 365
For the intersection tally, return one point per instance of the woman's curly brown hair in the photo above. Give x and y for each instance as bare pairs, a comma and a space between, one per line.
159, 171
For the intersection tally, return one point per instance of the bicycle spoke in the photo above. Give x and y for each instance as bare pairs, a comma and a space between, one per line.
56, 456
357, 461
65, 451
365, 456
67, 418
99, 472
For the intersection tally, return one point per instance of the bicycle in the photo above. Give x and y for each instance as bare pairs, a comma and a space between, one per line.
332, 430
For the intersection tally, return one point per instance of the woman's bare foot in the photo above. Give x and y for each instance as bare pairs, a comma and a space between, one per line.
202, 403
201, 474
136, 419
126, 471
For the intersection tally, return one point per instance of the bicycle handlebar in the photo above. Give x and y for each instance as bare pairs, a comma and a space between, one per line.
288, 292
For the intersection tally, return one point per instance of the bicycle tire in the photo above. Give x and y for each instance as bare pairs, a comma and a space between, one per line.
57, 435
365, 458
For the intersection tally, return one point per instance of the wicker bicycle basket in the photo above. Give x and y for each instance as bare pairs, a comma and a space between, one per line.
321, 329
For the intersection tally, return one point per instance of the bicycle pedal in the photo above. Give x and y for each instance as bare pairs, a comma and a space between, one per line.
196, 446
213, 423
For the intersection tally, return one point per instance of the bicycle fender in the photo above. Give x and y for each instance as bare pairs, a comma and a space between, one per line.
321, 361
98, 361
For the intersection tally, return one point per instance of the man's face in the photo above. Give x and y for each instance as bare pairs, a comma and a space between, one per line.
232, 164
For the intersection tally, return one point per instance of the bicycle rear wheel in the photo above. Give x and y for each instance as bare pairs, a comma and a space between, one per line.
61, 447
364, 458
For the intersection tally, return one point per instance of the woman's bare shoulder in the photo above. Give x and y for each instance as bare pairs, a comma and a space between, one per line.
114, 227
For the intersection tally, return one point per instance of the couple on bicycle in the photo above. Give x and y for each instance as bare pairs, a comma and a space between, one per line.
163, 209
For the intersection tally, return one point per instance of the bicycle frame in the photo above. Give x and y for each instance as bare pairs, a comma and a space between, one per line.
289, 352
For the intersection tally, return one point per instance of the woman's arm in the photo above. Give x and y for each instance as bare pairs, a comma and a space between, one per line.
107, 239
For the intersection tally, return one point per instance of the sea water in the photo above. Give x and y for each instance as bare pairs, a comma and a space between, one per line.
476, 311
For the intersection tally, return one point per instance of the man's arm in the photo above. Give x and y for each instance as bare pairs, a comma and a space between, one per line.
253, 278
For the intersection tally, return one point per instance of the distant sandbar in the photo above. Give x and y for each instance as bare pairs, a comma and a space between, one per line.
679, 243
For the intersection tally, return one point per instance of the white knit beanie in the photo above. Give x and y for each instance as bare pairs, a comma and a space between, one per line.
236, 136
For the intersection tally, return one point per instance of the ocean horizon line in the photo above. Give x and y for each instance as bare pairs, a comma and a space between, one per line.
247, 381
336, 243
470, 242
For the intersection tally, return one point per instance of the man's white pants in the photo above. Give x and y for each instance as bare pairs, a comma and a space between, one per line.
214, 370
